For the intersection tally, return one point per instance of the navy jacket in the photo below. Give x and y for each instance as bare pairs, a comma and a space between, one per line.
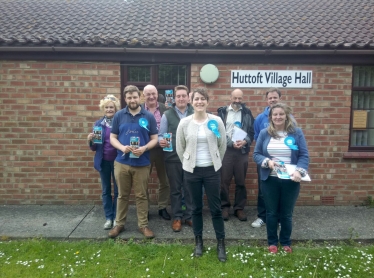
299, 157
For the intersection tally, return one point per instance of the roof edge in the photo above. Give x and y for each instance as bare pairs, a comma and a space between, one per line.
192, 51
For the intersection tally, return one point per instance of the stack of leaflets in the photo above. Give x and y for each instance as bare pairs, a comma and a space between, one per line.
285, 170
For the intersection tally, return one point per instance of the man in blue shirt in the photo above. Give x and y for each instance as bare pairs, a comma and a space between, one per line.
273, 96
132, 164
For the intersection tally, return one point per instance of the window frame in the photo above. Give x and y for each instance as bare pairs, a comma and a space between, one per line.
358, 89
154, 78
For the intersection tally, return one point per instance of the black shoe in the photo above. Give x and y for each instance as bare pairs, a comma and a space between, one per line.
198, 246
221, 250
164, 214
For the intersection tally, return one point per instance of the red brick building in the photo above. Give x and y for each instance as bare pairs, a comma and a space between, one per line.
59, 58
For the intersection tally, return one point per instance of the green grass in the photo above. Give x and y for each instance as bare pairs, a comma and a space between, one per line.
115, 258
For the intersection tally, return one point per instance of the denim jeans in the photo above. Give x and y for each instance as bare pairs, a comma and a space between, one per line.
280, 198
109, 202
208, 178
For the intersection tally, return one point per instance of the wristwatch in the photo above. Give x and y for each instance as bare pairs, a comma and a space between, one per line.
266, 163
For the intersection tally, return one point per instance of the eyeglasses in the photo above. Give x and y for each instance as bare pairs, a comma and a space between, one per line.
111, 98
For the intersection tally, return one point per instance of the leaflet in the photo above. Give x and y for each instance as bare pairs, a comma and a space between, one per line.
97, 137
134, 143
168, 137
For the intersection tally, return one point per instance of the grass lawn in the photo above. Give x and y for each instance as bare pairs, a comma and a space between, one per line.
116, 258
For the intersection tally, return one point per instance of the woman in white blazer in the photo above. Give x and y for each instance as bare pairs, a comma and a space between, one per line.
201, 145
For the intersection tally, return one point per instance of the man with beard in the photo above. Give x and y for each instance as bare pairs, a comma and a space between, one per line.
157, 109
132, 171
235, 161
273, 96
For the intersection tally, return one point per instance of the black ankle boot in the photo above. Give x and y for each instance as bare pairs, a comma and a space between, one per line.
198, 246
221, 250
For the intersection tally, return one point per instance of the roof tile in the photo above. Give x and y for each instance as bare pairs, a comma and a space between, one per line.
188, 23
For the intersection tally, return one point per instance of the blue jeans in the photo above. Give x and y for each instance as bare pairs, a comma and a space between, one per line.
280, 198
208, 178
109, 203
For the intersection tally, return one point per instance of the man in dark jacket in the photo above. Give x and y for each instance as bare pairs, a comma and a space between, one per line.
169, 124
157, 109
235, 161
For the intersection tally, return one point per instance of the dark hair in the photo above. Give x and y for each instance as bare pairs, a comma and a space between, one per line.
161, 98
202, 91
130, 89
273, 89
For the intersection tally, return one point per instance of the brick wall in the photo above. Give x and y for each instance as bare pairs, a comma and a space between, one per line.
323, 112
47, 110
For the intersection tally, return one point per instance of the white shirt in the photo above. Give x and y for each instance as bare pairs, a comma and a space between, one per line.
203, 158
232, 117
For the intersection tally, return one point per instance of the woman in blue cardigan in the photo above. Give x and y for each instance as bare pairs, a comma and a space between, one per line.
105, 155
281, 143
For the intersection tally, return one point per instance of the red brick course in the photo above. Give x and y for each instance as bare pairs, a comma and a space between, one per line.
47, 110
338, 177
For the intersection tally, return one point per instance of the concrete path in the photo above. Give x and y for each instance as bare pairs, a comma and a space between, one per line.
317, 223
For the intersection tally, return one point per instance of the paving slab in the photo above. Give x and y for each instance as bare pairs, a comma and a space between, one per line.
317, 223
48, 221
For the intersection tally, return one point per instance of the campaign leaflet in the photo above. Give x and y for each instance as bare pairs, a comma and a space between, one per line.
134, 143
97, 135
281, 170
168, 138
169, 97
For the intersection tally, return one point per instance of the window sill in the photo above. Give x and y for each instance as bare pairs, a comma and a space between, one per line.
364, 155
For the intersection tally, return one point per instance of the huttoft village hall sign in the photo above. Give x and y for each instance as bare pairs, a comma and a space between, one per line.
271, 78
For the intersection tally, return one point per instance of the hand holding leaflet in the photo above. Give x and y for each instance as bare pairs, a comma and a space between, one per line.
238, 134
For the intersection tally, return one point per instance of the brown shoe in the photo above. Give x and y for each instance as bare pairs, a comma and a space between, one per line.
225, 214
240, 214
177, 225
147, 232
116, 231
188, 222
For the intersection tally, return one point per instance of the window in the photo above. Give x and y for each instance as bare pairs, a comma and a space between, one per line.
362, 122
164, 77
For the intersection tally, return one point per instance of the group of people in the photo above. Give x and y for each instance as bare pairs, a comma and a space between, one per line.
202, 155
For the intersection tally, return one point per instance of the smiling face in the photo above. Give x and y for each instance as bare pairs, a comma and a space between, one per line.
272, 98
109, 109
278, 117
199, 102
132, 100
150, 95
181, 99
236, 98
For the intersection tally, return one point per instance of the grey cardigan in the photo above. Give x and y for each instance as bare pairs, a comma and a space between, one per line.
187, 142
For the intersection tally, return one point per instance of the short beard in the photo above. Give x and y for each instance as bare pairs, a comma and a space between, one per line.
236, 105
133, 109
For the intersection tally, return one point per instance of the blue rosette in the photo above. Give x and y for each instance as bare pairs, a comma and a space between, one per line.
143, 122
238, 124
290, 142
213, 126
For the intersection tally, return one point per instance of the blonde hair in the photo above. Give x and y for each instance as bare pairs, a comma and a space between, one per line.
107, 99
290, 124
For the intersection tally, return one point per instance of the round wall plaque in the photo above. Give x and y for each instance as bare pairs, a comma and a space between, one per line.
209, 73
